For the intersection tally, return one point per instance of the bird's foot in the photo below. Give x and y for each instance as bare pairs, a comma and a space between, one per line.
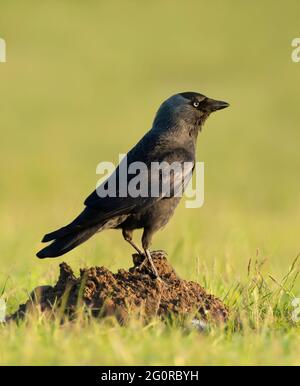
141, 260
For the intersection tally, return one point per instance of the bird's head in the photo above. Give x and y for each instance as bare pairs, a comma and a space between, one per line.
187, 108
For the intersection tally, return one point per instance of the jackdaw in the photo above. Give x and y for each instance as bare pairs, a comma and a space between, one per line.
172, 139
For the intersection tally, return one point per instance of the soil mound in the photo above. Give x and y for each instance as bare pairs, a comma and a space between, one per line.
135, 291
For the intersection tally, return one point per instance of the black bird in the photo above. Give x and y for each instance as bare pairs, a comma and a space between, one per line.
172, 138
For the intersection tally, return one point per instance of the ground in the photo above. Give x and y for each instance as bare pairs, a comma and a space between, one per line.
81, 85
137, 293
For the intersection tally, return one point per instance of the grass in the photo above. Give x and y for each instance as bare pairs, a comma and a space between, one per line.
81, 85
260, 331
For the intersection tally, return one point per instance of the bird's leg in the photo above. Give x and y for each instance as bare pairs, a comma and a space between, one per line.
128, 237
146, 241
148, 254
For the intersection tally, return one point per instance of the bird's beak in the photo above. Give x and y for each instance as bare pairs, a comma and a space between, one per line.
213, 105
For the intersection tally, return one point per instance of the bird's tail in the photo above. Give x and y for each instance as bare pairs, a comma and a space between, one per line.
66, 241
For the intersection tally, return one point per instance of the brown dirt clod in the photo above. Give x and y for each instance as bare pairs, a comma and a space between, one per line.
126, 292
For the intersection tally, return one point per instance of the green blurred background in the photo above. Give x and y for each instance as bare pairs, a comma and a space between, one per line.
82, 83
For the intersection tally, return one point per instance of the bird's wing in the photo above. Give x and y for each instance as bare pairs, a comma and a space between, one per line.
160, 184
98, 209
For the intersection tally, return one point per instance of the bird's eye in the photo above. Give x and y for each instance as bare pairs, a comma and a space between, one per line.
196, 104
